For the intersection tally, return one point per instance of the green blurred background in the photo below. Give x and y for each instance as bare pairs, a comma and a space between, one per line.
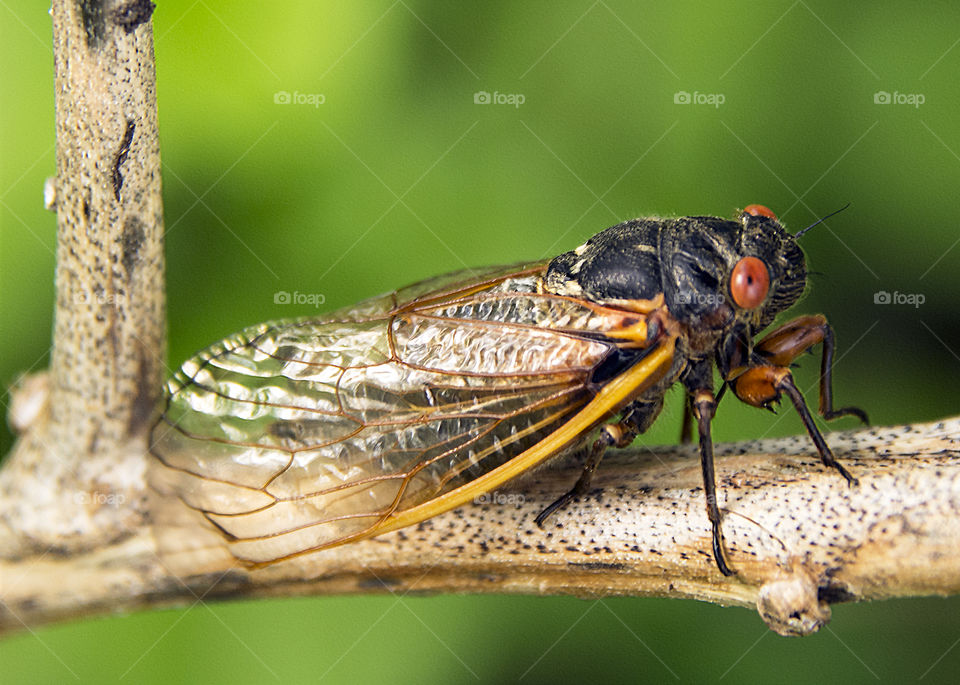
398, 174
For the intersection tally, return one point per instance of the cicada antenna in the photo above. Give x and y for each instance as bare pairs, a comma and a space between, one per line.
819, 221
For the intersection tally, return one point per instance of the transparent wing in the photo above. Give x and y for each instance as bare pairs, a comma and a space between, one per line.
300, 435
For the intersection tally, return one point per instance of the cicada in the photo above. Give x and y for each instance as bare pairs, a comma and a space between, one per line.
296, 436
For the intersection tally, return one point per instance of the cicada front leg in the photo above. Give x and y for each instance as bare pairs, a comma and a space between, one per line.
763, 385
781, 346
636, 419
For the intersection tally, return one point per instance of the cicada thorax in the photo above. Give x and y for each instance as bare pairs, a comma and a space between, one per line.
712, 275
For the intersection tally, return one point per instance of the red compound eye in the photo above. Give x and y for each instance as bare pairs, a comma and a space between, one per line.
760, 210
749, 282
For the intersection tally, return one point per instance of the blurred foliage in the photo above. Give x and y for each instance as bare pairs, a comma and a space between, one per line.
399, 175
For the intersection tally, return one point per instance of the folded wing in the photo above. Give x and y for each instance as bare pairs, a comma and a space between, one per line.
300, 435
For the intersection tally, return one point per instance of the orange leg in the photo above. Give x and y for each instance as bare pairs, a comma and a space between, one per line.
762, 385
781, 346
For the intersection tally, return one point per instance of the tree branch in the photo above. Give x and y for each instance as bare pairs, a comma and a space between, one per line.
799, 538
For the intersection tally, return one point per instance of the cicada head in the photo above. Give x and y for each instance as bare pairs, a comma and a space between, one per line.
722, 274
771, 273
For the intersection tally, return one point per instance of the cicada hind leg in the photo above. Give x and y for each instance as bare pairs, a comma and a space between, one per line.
762, 385
636, 419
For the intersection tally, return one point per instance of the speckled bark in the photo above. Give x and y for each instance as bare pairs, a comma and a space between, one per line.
75, 478
799, 538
